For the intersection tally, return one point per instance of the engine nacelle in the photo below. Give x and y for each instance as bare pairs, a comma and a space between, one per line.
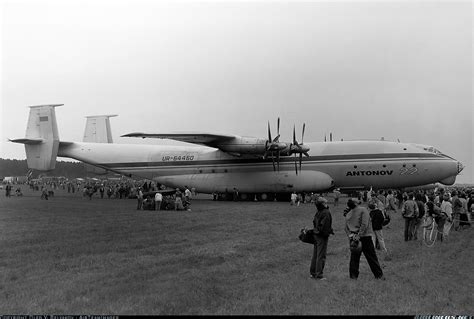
244, 145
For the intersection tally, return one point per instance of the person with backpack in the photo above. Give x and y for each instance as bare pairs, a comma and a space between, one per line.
377, 217
409, 213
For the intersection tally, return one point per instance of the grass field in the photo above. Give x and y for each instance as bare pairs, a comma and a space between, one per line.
69, 255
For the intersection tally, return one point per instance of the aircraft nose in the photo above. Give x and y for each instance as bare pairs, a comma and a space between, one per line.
460, 167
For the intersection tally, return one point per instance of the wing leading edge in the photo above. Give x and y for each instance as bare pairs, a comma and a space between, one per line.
194, 138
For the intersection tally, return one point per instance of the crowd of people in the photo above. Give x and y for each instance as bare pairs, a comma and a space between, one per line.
177, 200
450, 208
148, 194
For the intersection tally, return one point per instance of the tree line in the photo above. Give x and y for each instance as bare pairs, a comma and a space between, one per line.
14, 167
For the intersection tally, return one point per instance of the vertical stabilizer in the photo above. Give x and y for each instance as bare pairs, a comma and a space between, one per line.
98, 129
42, 127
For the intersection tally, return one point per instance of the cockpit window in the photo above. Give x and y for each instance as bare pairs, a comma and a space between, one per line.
430, 149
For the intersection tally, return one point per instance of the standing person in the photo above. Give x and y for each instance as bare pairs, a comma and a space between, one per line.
187, 194
447, 211
102, 191
377, 218
457, 209
421, 213
399, 199
299, 199
464, 220
322, 223
470, 207
376, 201
390, 203
44, 192
139, 198
409, 213
337, 194
235, 194
359, 228
381, 197
178, 202
158, 200
294, 197
178, 193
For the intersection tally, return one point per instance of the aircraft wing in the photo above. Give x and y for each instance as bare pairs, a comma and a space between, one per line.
194, 138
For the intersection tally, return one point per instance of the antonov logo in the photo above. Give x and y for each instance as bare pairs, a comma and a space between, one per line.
369, 173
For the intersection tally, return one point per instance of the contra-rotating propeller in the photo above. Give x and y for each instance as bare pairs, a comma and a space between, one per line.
273, 146
300, 148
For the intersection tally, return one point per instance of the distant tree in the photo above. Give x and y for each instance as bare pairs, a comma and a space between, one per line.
14, 167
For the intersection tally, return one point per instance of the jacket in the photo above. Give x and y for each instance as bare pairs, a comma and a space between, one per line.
377, 218
358, 222
410, 209
322, 223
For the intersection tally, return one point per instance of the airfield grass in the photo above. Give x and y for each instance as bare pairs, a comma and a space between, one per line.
71, 255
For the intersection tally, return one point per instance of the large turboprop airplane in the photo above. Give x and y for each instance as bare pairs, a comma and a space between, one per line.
220, 165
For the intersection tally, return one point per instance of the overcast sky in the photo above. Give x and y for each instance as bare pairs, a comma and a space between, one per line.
362, 70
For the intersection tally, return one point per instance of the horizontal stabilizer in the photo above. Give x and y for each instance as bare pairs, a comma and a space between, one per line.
29, 141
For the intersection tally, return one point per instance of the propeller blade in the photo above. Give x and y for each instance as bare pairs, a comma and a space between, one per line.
302, 134
306, 154
278, 126
269, 134
294, 135
273, 162
330, 137
301, 158
296, 166
278, 160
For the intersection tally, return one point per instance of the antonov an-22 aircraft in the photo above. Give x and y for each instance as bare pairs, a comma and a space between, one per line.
254, 166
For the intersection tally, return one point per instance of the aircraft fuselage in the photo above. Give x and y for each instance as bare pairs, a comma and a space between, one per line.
352, 164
